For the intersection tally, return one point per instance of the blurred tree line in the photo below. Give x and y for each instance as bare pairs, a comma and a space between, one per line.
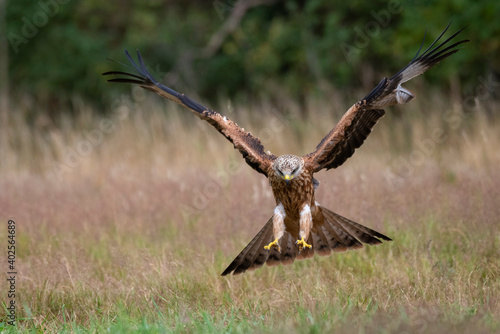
57, 49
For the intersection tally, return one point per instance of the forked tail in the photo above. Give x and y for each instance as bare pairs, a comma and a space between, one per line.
330, 232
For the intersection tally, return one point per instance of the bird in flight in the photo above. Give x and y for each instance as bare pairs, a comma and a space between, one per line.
300, 226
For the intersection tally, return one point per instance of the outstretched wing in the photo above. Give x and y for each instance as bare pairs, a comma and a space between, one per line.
358, 121
249, 146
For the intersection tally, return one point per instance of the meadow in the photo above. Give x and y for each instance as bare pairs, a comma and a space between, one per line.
125, 222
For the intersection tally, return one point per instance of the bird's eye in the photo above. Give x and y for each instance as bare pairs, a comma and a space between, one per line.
295, 170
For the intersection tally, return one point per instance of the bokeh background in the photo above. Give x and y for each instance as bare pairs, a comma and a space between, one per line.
231, 49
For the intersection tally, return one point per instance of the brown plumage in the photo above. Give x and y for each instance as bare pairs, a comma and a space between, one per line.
300, 227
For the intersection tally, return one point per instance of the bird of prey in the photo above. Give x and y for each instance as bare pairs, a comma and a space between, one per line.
300, 226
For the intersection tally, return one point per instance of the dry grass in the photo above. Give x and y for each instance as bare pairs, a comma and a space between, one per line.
134, 236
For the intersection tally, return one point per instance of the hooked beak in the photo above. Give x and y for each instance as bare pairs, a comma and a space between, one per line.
287, 178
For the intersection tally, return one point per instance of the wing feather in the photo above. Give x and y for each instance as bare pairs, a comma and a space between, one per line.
357, 123
248, 145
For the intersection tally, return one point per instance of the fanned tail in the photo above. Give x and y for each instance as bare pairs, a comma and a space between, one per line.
253, 255
330, 232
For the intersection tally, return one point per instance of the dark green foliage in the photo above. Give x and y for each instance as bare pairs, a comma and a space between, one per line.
297, 47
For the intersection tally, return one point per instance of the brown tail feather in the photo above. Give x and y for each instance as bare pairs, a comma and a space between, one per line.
339, 239
364, 234
321, 244
330, 232
253, 255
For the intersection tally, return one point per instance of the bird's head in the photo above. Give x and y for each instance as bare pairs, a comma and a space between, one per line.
287, 167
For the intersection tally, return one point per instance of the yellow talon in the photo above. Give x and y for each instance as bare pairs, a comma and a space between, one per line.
273, 244
302, 243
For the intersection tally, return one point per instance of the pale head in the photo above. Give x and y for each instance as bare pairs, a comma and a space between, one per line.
288, 167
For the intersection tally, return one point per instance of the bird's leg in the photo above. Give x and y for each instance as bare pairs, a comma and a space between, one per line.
305, 227
278, 227
273, 244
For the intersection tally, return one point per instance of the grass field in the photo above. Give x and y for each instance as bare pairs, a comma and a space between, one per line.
125, 223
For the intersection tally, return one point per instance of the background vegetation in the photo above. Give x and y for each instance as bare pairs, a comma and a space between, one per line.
128, 208
133, 236
229, 48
